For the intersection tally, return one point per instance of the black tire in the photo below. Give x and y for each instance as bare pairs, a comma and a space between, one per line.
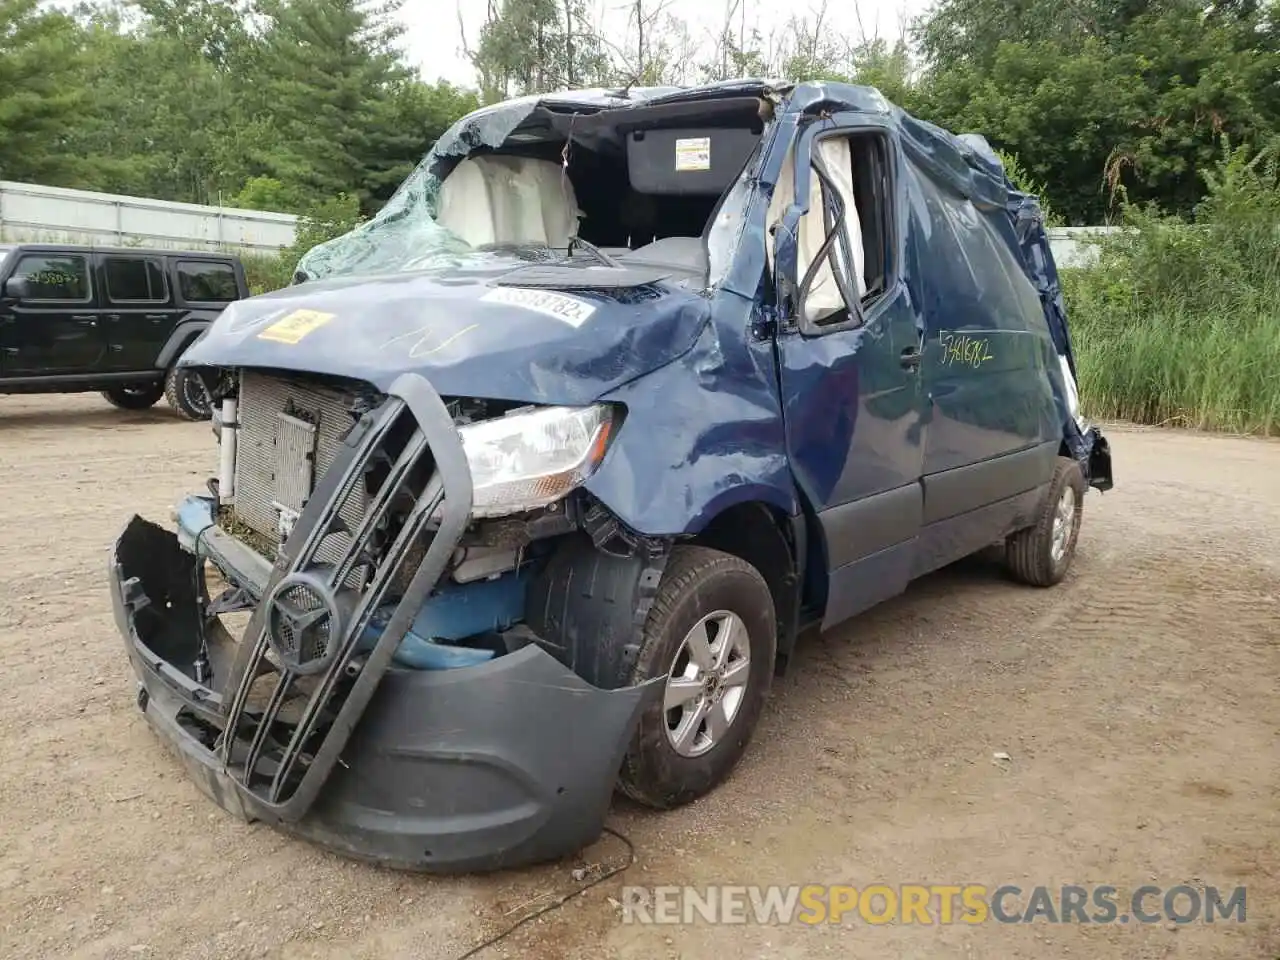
186, 395
1030, 553
139, 396
698, 582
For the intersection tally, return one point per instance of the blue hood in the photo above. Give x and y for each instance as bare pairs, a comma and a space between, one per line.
468, 336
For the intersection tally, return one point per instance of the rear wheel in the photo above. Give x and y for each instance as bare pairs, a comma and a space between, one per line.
1041, 555
187, 395
135, 396
712, 633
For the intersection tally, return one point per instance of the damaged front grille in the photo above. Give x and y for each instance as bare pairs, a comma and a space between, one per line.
302, 676
291, 429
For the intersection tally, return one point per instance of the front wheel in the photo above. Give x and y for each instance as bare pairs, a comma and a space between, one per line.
1041, 555
186, 393
135, 397
712, 632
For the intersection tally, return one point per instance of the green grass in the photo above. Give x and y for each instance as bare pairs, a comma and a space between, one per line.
1179, 324
267, 272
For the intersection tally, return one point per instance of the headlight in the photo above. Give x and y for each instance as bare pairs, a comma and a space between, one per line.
529, 460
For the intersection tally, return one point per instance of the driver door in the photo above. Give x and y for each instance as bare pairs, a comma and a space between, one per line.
849, 358
52, 326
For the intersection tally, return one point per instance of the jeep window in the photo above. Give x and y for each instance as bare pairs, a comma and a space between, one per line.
206, 282
54, 278
851, 175
134, 280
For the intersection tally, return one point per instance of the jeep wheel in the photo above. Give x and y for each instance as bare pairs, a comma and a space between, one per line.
712, 632
135, 397
187, 395
1041, 555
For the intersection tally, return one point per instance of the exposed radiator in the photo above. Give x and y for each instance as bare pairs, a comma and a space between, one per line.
290, 431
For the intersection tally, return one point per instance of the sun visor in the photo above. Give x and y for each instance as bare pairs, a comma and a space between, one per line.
693, 161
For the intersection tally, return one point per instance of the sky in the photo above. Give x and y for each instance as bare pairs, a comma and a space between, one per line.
433, 39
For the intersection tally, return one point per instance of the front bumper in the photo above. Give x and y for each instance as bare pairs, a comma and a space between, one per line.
498, 765
300, 725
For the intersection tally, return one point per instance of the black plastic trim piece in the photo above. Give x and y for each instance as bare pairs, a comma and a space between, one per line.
865, 527
953, 492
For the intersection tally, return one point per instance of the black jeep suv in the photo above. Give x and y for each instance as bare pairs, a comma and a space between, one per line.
75, 319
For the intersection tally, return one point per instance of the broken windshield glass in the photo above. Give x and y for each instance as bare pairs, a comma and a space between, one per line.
405, 234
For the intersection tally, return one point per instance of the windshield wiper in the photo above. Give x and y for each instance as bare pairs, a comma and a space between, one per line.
592, 249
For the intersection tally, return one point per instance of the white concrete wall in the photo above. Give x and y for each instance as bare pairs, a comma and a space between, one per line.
55, 215
1076, 246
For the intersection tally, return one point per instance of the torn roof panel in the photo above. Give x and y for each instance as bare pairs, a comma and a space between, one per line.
404, 235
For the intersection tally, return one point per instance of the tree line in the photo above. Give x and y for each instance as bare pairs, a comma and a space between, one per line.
299, 105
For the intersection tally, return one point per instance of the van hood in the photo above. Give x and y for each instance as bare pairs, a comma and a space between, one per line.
478, 333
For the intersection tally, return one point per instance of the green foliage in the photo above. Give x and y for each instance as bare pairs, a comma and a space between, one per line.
278, 103
265, 193
325, 220
319, 222
1101, 99
1179, 322
532, 46
39, 98
327, 77
1025, 182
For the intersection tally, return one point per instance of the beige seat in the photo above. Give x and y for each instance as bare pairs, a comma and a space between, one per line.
501, 199
824, 298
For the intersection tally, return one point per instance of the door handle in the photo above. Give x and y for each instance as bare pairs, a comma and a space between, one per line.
157, 317
89, 321
910, 357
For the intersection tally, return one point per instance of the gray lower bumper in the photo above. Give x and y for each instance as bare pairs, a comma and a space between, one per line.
498, 765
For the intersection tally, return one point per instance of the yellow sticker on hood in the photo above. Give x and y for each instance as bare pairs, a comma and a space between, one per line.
292, 327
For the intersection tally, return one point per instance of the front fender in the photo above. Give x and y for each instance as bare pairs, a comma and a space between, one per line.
702, 434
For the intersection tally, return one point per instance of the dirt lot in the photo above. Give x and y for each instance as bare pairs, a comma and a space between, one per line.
1137, 703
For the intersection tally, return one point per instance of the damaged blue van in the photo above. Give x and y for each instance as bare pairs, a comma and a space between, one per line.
527, 486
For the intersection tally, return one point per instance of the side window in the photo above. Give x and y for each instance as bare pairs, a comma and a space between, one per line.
842, 249
134, 279
54, 278
205, 282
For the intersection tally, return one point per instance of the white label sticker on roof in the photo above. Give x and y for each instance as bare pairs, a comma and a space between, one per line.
566, 309
693, 153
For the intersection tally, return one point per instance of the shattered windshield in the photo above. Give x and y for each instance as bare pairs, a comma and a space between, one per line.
521, 179
406, 233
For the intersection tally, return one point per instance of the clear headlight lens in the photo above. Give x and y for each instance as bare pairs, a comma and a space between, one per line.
529, 460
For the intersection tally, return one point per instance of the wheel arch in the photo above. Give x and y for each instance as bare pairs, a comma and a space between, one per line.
184, 335
761, 534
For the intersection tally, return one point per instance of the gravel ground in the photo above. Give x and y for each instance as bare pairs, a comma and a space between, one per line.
1136, 702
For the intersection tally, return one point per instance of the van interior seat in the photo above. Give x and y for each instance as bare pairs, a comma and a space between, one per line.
495, 198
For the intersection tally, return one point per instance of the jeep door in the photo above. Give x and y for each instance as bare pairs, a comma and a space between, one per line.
850, 372
138, 313
8, 345
52, 327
